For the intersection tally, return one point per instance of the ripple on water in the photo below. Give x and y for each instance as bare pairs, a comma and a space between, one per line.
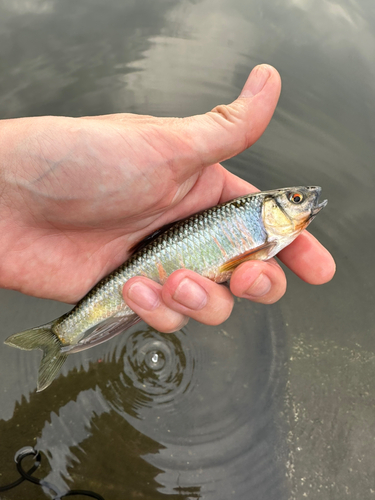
157, 370
206, 396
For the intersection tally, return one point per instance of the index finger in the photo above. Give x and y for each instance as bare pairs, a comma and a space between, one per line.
309, 259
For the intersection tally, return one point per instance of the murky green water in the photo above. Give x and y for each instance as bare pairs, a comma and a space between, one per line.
278, 402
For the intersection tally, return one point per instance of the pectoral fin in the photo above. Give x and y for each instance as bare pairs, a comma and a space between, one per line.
259, 253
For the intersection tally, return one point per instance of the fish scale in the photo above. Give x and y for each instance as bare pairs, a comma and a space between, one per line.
178, 245
212, 243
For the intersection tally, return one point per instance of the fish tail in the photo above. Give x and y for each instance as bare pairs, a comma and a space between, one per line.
42, 338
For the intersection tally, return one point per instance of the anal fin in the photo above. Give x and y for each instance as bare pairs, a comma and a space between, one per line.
106, 330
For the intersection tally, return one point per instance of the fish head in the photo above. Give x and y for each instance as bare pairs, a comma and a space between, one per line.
288, 211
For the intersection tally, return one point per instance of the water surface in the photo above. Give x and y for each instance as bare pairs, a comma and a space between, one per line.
277, 402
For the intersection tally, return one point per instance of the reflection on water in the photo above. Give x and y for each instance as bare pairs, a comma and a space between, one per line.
201, 417
277, 402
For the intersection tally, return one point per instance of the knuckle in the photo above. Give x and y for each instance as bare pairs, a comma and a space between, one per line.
230, 113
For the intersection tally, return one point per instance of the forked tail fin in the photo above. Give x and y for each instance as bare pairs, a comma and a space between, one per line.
42, 338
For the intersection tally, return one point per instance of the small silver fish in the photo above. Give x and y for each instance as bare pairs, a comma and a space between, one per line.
212, 243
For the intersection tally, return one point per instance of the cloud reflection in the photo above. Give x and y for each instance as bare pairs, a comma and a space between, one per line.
29, 6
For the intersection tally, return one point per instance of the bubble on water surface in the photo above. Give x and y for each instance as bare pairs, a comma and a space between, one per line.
157, 369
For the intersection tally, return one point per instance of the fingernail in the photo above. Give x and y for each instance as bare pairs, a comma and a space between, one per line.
143, 296
190, 294
260, 287
256, 81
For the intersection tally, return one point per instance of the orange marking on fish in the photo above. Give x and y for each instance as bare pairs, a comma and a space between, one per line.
246, 238
228, 236
300, 226
259, 253
182, 263
162, 273
222, 250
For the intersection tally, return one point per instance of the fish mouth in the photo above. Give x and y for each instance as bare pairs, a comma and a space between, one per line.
313, 213
318, 208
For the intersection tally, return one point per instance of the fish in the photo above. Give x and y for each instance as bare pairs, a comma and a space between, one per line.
212, 242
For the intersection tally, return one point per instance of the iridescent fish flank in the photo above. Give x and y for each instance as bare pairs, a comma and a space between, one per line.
212, 243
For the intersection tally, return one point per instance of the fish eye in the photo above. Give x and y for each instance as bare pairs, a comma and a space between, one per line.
296, 198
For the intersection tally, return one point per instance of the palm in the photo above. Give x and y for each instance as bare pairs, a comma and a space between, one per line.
86, 206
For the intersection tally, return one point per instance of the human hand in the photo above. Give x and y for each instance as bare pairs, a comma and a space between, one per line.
77, 193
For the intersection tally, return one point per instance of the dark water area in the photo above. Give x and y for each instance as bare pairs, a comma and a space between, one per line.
278, 402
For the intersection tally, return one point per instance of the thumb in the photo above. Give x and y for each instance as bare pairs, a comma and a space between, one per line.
228, 130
